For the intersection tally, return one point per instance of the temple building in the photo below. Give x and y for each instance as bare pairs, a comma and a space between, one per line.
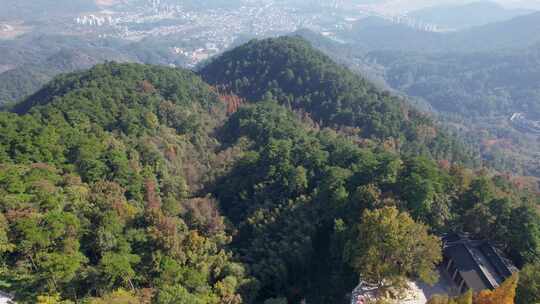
474, 264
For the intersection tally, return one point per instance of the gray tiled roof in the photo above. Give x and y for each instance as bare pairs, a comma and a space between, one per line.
479, 263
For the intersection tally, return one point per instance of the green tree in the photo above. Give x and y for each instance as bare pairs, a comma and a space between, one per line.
388, 246
528, 290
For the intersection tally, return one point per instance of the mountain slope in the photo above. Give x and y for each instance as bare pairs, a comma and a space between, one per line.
25, 79
479, 84
104, 161
480, 91
133, 183
518, 33
291, 71
30, 61
475, 93
34, 59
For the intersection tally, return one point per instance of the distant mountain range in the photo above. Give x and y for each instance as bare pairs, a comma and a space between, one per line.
374, 33
30, 61
474, 93
469, 15
408, 6
208, 188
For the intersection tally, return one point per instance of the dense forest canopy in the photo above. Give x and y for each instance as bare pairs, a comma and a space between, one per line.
472, 85
143, 184
291, 71
474, 94
33, 59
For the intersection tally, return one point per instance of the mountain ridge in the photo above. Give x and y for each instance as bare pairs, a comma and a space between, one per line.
458, 17
307, 80
130, 182
488, 37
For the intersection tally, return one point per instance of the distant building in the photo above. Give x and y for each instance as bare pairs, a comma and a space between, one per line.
520, 121
474, 264
467, 264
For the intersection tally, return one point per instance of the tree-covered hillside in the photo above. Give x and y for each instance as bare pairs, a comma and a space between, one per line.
93, 184
478, 93
25, 79
472, 85
129, 183
474, 94
30, 61
291, 71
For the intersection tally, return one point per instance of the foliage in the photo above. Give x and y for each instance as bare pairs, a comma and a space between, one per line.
466, 298
291, 71
390, 247
133, 183
83, 179
528, 290
503, 294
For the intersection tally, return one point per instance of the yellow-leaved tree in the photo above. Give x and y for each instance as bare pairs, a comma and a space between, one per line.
51, 299
504, 294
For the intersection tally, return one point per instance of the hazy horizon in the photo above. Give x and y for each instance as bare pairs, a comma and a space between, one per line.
391, 7
404, 6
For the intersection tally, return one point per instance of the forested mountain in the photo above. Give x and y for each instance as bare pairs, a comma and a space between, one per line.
474, 93
291, 71
477, 92
129, 183
25, 79
472, 84
458, 17
375, 33
32, 60
99, 163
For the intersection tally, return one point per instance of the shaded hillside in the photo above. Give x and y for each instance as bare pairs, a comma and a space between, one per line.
477, 93
375, 33
472, 93
518, 33
476, 84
